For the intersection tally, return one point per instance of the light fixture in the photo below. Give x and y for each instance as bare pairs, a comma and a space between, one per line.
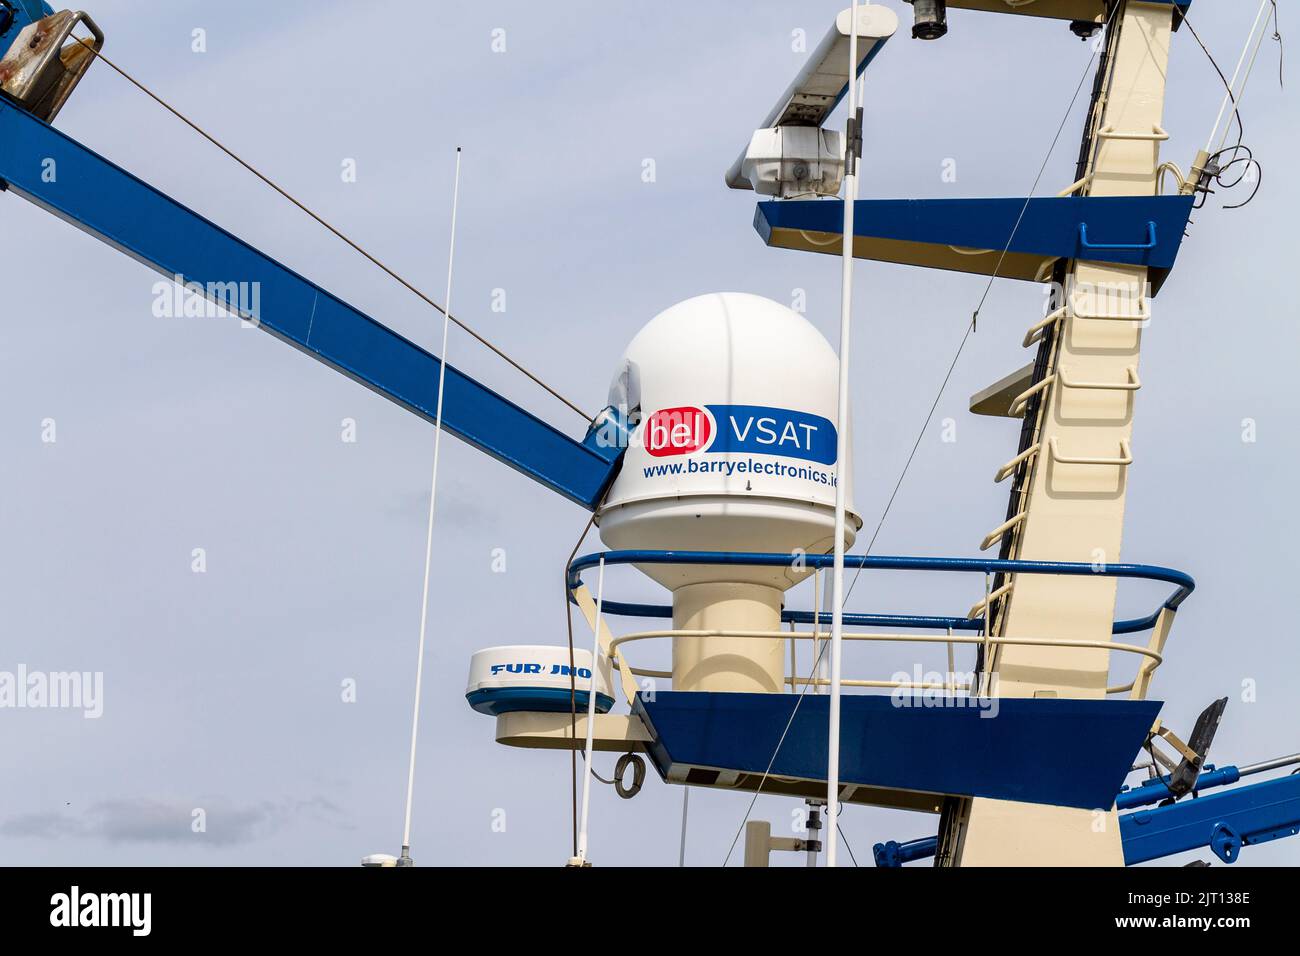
931, 19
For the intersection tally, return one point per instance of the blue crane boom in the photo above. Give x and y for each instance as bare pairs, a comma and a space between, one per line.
1224, 821
111, 204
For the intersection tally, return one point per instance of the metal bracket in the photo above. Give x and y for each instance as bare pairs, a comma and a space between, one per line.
45, 63
1174, 741
1226, 843
1130, 246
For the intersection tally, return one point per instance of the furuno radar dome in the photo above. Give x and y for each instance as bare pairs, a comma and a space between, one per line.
734, 450
535, 678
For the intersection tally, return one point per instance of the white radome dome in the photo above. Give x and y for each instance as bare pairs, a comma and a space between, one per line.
735, 446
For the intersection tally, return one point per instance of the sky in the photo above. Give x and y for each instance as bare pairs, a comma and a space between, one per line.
268, 695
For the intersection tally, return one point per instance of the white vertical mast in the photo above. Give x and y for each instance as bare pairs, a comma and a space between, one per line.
841, 450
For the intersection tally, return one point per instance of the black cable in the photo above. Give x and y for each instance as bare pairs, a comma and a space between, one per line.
573, 680
1281, 49
1259, 179
812, 674
490, 346
1215, 167
1047, 344
840, 830
1241, 129
974, 320
970, 327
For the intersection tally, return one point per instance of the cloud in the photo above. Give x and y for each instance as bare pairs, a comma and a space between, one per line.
40, 826
146, 820
460, 506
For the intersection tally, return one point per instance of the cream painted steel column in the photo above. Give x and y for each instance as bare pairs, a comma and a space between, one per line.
1073, 502
735, 664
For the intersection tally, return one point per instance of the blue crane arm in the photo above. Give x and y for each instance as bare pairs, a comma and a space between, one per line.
1225, 821
111, 204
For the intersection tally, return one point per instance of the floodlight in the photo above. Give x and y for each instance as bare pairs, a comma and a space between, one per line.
820, 86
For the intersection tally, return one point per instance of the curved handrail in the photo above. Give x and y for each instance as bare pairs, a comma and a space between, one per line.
1184, 582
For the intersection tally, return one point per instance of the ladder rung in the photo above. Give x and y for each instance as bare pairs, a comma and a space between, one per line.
1020, 401
993, 595
996, 534
1143, 313
1157, 134
1132, 385
1125, 459
1074, 187
1009, 469
1036, 331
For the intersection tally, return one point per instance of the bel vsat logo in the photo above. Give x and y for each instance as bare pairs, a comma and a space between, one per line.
677, 431
746, 429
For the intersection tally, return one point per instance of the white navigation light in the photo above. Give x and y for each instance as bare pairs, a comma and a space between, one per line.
822, 82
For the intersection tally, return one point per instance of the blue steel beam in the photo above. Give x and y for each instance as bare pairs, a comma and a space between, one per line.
950, 233
111, 204
18, 15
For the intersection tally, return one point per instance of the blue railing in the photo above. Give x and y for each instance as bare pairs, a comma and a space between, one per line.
1145, 572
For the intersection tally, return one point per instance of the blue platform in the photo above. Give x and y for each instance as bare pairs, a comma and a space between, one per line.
968, 235
1034, 750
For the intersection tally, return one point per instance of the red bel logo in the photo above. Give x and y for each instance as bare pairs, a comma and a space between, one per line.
677, 431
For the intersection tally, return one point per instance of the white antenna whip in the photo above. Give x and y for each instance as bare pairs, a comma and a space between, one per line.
405, 859
852, 149
686, 806
1233, 96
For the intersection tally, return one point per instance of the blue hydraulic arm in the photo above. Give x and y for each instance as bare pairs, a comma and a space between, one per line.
1156, 790
895, 854
111, 204
1225, 821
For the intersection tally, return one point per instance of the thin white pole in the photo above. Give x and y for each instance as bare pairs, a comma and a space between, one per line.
1228, 97
405, 859
842, 444
591, 713
1241, 90
686, 803
817, 668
